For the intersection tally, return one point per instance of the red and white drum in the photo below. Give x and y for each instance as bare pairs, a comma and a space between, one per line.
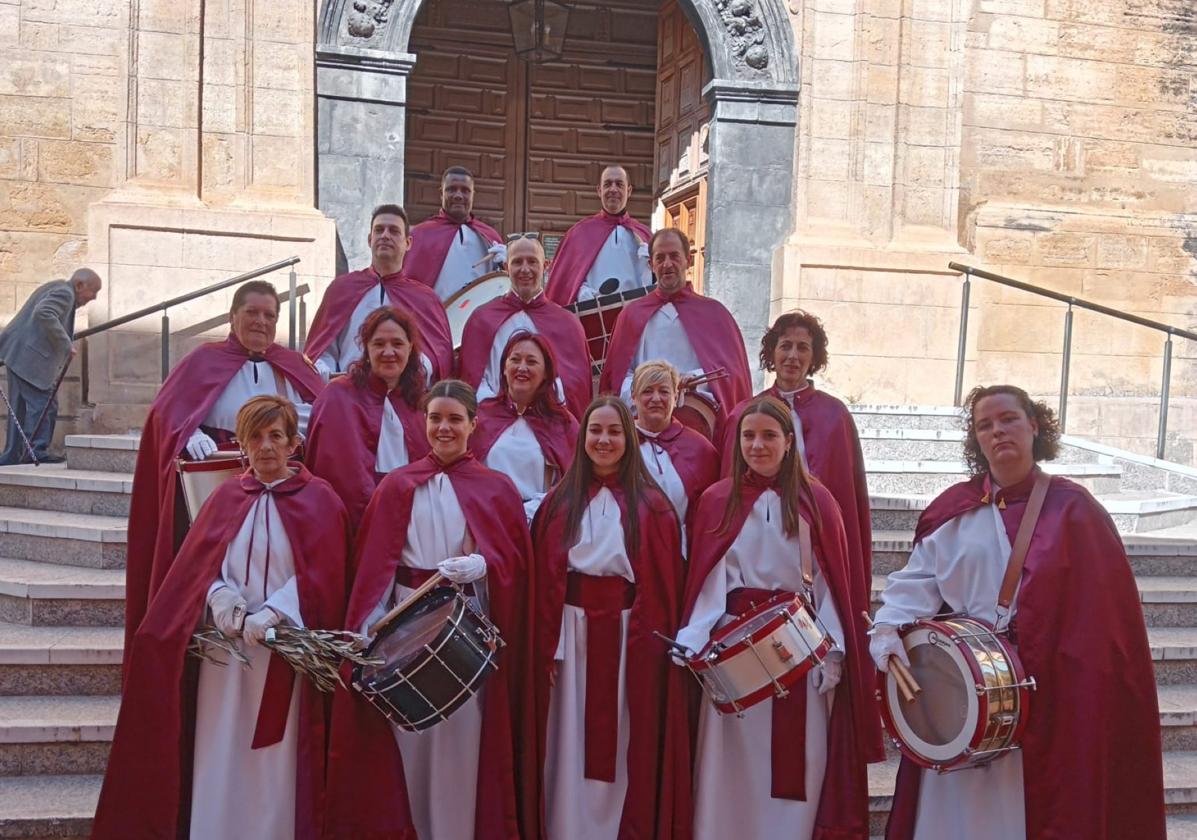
199, 479
598, 316
699, 412
461, 304
761, 653
974, 701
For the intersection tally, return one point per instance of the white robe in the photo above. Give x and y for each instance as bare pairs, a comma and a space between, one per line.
458, 269
962, 564
660, 467
577, 808
788, 398
392, 446
733, 765
619, 258
236, 791
440, 764
346, 349
664, 338
517, 454
253, 379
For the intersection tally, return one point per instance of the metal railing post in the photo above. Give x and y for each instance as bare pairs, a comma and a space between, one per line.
303, 319
1064, 368
1164, 394
292, 319
963, 343
165, 345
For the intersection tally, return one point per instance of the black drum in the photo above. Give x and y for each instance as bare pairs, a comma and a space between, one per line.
436, 655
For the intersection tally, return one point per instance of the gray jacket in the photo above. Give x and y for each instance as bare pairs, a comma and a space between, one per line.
37, 341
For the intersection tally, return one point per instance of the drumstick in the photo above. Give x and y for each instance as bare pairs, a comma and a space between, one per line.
717, 373
907, 684
407, 602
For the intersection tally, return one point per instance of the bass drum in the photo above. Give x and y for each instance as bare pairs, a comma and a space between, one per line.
461, 305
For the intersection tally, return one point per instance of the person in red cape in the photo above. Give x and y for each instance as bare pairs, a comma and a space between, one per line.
610, 711
349, 299
214, 749
197, 406
693, 333
682, 462
608, 246
525, 432
1089, 763
368, 423
446, 513
454, 248
525, 309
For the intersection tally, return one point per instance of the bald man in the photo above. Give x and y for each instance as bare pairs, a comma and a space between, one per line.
525, 308
604, 253
35, 347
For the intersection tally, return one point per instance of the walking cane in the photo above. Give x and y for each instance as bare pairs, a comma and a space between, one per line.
17, 423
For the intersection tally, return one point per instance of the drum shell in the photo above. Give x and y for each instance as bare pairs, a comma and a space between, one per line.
598, 317
470, 298
698, 412
200, 479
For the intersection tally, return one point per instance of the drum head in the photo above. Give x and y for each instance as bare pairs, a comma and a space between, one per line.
461, 305
941, 722
420, 625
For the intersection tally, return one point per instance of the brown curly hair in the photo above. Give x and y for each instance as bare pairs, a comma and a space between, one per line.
789, 321
1046, 444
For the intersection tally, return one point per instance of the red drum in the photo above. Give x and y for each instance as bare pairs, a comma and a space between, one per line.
761, 653
975, 696
699, 412
199, 479
598, 317
462, 304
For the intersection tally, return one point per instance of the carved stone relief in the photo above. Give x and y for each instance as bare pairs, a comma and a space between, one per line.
746, 34
366, 21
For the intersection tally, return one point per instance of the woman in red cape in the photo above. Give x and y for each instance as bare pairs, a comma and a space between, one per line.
446, 513
526, 432
1090, 763
367, 423
792, 767
202, 750
610, 710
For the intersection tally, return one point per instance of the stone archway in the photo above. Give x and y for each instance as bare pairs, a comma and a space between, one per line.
362, 68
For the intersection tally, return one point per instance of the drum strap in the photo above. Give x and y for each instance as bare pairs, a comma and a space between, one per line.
805, 553
1022, 542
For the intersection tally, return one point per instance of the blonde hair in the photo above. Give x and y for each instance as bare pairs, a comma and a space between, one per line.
260, 412
653, 373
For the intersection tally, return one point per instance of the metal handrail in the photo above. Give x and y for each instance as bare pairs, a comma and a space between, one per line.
1165, 389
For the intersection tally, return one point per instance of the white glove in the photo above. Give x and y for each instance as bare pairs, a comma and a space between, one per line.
200, 446
465, 569
257, 625
324, 369
228, 610
828, 675
884, 644
498, 253
642, 251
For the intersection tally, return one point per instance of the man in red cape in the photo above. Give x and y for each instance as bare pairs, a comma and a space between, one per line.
156, 523
147, 787
1091, 751
695, 334
367, 791
608, 245
525, 308
350, 298
843, 812
453, 248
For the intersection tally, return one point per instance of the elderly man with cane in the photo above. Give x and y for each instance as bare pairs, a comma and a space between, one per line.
36, 348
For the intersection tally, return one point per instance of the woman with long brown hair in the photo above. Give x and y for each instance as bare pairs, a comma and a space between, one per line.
608, 574
367, 423
790, 765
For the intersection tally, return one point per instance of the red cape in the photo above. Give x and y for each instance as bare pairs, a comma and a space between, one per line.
694, 458
343, 295
562, 329
843, 805
657, 804
367, 793
580, 248
557, 435
147, 787
184, 401
430, 241
713, 334
342, 442
1091, 750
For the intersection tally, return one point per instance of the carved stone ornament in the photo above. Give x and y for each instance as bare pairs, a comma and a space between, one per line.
366, 20
747, 33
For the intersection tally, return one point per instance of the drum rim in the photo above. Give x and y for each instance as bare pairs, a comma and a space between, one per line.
788, 607
451, 300
225, 463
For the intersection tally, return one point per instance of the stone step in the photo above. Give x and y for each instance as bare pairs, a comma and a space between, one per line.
1174, 651
933, 477
870, 417
60, 660
109, 453
50, 594
74, 539
52, 736
61, 807
54, 487
912, 444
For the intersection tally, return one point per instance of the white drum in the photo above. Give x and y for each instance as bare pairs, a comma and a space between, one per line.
461, 305
199, 479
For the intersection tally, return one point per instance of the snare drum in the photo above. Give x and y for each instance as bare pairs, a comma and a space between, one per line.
199, 479
598, 317
761, 653
436, 655
699, 412
975, 696
462, 304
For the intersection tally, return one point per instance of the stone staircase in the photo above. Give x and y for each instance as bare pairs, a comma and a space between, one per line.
62, 556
